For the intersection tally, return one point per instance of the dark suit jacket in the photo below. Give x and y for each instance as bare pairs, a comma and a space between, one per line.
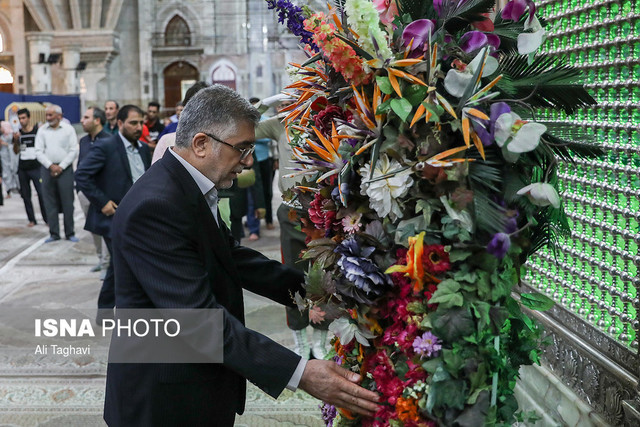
104, 174
169, 252
86, 143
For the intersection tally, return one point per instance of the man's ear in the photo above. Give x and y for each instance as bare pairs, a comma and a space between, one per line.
120, 123
199, 144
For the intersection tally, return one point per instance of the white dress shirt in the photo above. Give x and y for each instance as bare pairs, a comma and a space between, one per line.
56, 145
136, 165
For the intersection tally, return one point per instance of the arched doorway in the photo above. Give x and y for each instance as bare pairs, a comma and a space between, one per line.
178, 77
6, 80
225, 75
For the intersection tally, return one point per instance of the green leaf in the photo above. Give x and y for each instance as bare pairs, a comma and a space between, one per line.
314, 279
384, 84
502, 283
415, 94
447, 294
481, 311
458, 255
384, 107
447, 393
313, 59
475, 415
425, 207
498, 316
416, 307
536, 301
452, 324
466, 276
453, 361
435, 110
402, 108
483, 284
432, 365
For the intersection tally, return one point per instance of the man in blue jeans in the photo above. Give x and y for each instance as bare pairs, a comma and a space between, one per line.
28, 165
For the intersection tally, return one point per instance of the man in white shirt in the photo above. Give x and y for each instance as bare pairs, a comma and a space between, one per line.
56, 149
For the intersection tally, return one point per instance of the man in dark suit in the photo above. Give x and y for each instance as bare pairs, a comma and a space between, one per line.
172, 250
105, 174
93, 122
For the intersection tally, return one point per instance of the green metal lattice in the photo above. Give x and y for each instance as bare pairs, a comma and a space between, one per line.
595, 272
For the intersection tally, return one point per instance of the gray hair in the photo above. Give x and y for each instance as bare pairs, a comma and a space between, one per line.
217, 110
56, 108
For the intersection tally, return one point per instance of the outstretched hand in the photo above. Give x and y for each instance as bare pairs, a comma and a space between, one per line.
330, 383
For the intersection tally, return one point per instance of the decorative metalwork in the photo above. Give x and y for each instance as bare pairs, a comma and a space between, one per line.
595, 273
593, 277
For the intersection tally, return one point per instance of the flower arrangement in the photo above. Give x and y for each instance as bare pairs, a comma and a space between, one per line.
426, 184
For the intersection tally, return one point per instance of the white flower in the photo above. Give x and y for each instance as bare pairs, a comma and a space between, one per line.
383, 193
456, 82
522, 136
530, 42
346, 331
541, 194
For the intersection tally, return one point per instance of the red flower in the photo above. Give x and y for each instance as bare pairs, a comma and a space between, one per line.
325, 117
322, 213
435, 260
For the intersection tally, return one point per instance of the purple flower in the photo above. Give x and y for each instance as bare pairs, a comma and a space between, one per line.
329, 413
359, 269
499, 245
295, 20
419, 31
486, 130
515, 8
474, 40
427, 345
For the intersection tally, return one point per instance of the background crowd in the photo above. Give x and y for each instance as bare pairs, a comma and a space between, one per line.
118, 144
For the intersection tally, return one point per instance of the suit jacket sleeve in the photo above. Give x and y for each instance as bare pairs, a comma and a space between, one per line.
162, 251
264, 276
85, 175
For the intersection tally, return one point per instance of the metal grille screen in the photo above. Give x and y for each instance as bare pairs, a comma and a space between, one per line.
595, 273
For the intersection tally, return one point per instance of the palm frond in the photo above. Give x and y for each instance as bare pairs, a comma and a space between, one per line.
508, 32
486, 173
458, 15
569, 149
552, 224
490, 216
417, 9
546, 82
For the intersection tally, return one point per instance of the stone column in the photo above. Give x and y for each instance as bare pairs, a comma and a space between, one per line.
40, 75
19, 47
70, 60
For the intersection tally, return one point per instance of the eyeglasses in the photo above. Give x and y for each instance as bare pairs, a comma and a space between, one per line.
244, 152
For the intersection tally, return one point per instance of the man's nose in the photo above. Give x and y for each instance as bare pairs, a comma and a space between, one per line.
247, 161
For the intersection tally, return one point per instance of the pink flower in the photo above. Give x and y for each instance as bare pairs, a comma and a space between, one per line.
351, 223
388, 10
316, 315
